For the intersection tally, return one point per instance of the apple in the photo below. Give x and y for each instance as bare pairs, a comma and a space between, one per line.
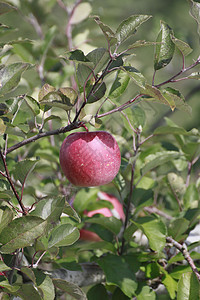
90, 158
116, 211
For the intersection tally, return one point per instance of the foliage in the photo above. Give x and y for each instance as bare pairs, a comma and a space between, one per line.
51, 85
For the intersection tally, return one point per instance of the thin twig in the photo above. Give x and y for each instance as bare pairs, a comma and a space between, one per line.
184, 251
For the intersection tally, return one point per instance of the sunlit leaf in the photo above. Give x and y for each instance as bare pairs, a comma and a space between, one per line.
119, 85
10, 76
99, 57
129, 26
165, 48
21, 232
6, 216
63, 235
107, 31
182, 46
32, 104
81, 12
5, 8
2, 127
73, 290
110, 223
136, 76
23, 168
188, 287
194, 75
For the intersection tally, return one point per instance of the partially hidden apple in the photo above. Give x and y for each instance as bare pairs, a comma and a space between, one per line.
116, 211
90, 158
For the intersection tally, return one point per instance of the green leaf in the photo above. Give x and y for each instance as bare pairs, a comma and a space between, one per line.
23, 168
183, 47
28, 291
5, 8
158, 159
136, 76
136, 116
10, 76
141, 43
118, 272
96, 93
32, 104
155, 231
4, 267
49, 36
70, 211
64, 98
107, 31
29, 273
176, 99
81, 12
47, 289
176, 183
165, 48
129, 26
170, 284
79, 57
97, 292
99, 57
21, 232
6, 216
8, 287
119, 85
170, 130
177, 228
188, 287
195, 12
73, 290
2, 127
63, 235
49, 209
191, 196
146, 293
110, 223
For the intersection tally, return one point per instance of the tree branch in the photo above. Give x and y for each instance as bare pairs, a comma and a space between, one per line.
185, 253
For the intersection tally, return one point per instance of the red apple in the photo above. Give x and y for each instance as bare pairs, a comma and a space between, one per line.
90, 158
116, 211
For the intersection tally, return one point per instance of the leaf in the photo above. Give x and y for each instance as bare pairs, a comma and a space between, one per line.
191, 195
70, 211
176, 99
47, 289
49, 36
188, 287
155, 231
64, 98
23, 168
73, 290
195, 12
2, 127
32, 104
177, 228
170, 130
146, 293
118, 272
110, 223
158, 159
6, 216
28, 291
119, 85
5, 8
99, 57
96, 93
183, 47
165, 49
63, 235
141, 43
81, 12
136, 116
10, 76
79, 57
107, 31
49, 209
97, 292
45, 90
129, 27
29, 273
21, 232
136, 76
4, 267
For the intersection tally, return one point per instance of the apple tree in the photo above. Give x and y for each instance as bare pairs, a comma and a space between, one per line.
136, 235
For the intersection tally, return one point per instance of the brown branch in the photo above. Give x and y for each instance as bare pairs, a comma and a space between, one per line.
186, 255
24, 210
34, 138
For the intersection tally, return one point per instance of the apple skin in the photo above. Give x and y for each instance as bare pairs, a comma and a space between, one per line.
90, 158
117, 212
